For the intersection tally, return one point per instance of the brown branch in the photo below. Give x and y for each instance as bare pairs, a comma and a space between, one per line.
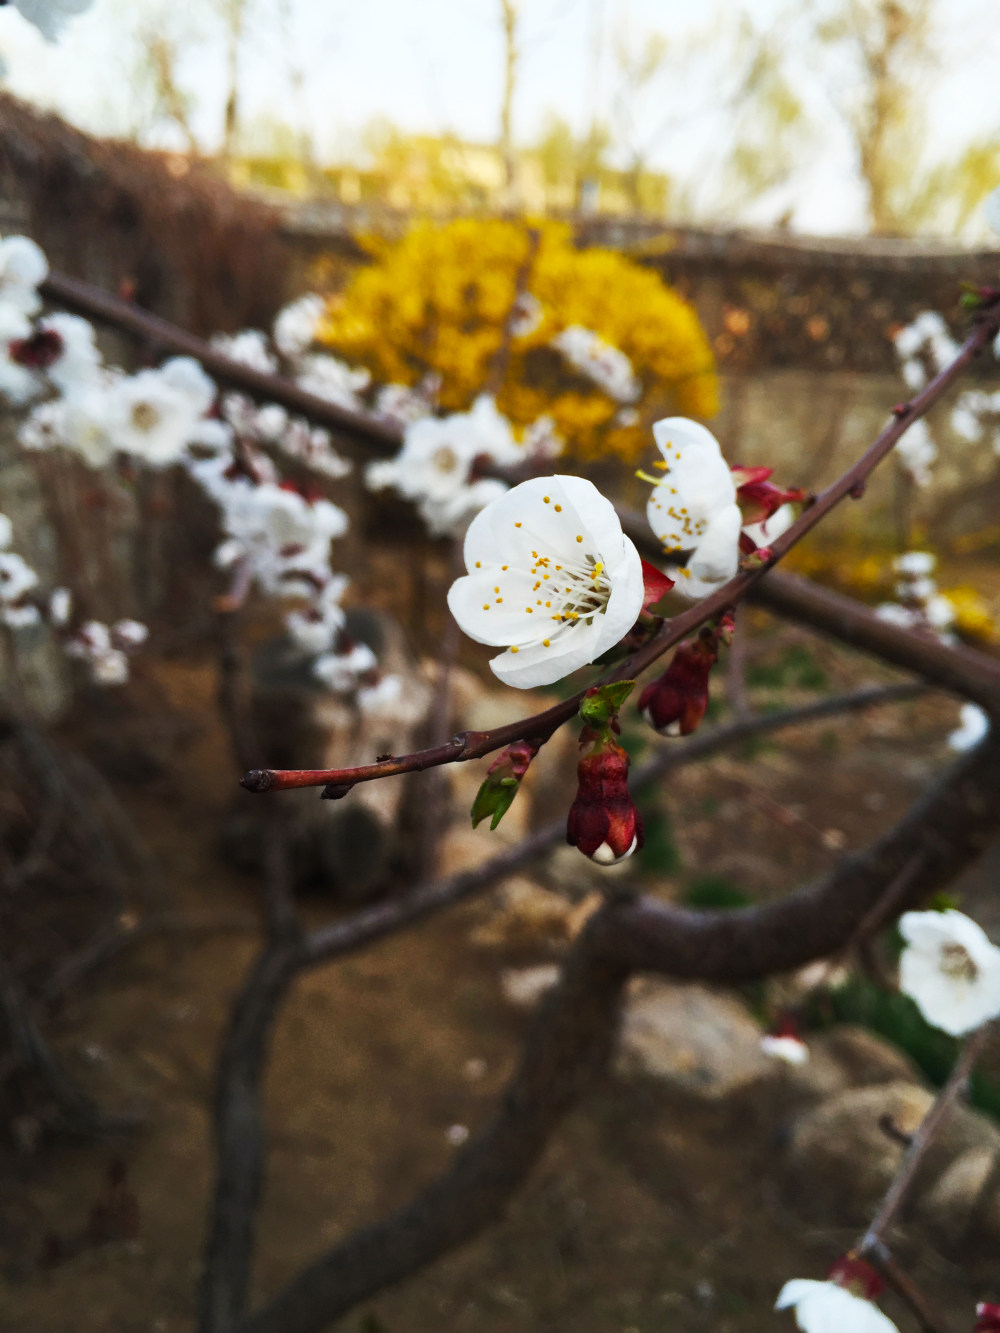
239, 1129
374, 433
963, 670
978, 684
571, 1036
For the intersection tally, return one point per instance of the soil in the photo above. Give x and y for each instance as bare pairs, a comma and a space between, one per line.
645, 1214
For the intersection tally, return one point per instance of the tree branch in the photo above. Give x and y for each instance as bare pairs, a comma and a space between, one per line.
571, 1036
239, 1127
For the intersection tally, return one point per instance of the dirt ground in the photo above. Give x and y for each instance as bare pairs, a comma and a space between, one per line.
645, 1215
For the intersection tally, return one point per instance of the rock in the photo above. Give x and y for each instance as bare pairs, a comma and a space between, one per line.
865, 1058
523, 987
847, 1057
698, 1041
840, 1160
957, 1199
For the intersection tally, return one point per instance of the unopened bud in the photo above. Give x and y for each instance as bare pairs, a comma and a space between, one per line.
42, 350
603, 821
674, 704
759, 498
857, 1277
987, 1318
503, 777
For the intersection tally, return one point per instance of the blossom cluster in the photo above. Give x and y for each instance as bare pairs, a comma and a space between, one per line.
276, 536
918, 605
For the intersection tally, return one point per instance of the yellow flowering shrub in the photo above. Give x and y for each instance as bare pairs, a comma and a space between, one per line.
439, 299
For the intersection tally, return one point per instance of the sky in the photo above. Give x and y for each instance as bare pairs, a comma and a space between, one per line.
435, 65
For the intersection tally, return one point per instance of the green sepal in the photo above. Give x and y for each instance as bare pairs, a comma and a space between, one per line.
970, 301
599, 708
494, 798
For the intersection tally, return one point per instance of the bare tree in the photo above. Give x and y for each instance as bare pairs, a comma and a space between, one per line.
889, 51
509, 22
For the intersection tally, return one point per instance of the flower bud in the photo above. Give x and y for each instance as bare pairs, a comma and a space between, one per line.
856, 1276
987, 1318
603, 821
503, 777
42, 350
759, 498
674, 704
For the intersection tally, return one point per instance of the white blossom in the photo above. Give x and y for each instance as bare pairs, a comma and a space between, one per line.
79, 359
295, 326
827, 1307
126, 634
950, 970
973, 724
609, 368
692, 509
23, 267
60, 607
110, 668
916, 564
789, 1049
551, 576
154, 414
434, 466
331, 379
6, 532
917, 452
342, 672
315, 629
249, 347
384, 699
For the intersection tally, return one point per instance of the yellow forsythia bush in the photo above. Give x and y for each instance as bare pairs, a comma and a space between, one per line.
439, 299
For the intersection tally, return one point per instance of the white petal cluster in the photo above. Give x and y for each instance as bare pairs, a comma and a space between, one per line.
435, 465
50, 16
296, 325
950, 969
23, 267
826, 1307
603, 364
917, 453
271, 424
692, 509
552, 578
17, 580
919, 605
973, 724
105, 649
331, 379
790, 1050
281, 538
403, 405
249, 347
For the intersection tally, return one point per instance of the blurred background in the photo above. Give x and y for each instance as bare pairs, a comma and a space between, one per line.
756, 205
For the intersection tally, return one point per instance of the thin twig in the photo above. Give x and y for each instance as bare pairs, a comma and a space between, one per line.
873, 1241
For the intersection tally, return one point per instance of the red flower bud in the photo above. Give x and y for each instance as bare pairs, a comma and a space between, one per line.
760, 498
987, 1318
603, 821
42, 350
674, 704
857, 1277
